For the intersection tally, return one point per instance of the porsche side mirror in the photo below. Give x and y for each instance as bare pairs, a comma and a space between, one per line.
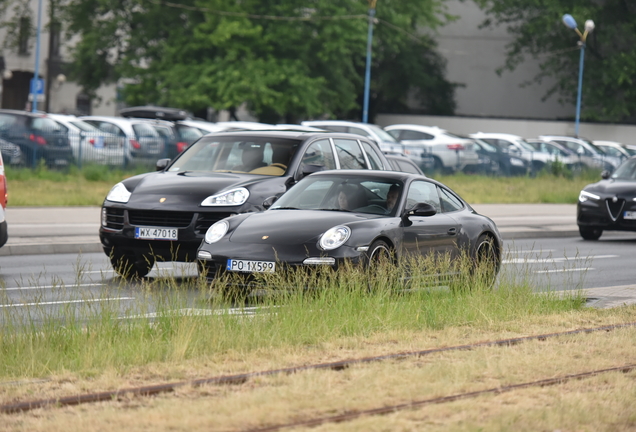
269, 201
421, 209
307, 169
162, 164
605, 175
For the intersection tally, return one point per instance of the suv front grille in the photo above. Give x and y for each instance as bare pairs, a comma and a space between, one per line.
205, 221
159, 218
114, 218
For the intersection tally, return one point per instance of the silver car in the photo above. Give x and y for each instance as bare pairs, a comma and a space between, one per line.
589, 155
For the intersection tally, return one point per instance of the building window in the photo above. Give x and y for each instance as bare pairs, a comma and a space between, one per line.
83, 104
24, 31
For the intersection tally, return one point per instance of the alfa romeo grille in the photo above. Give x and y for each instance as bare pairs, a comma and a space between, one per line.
614, 207
157, 218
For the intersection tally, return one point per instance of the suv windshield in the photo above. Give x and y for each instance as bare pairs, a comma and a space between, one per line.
627, 171
237, 154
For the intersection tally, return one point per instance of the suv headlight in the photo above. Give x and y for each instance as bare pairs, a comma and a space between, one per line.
335, 237
234, 197
216, 232
119, 193
584, 196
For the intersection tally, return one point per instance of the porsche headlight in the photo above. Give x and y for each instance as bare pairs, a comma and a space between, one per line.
119, 193
584, 196
334, 237
216, 232
234, 197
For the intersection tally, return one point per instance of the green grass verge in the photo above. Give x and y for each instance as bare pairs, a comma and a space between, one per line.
89, 186
300, 309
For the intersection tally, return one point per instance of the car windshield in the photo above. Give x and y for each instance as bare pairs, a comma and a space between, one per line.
253, 155
627, 171
526, 146
381, 133
371, 195
486, 146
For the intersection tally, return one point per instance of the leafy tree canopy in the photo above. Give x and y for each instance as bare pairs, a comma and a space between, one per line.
609, 93
286, 59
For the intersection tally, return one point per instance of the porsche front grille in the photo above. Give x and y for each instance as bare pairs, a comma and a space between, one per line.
173, 219
114, 218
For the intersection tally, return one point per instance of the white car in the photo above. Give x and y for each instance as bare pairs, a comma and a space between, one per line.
589, 155
385, 141
517, 146
142, 143
450, 152
90, 144
616, 149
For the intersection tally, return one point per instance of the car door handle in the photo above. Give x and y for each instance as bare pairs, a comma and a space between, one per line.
452, 231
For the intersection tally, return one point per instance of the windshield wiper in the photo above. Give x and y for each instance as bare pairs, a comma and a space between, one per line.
335, 209
285, 208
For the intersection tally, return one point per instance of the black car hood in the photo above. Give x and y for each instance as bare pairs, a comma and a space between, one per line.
291, 227
613, 187
185, 188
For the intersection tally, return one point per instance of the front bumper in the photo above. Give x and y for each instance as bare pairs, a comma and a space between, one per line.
606, 214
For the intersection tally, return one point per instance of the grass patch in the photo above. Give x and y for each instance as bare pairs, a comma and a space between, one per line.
89, 186
298, 309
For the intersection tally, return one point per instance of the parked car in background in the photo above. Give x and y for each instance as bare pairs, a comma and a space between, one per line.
90, 144
404, 164
12, 153
4, 230
612, 148
494, 161
165, 214
388, 144
142, 143
516, 146
38, 136
589, 155
363, 217
560, 153
450, 153
610, 204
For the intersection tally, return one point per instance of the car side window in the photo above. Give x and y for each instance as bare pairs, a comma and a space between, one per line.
320, 153
423, 192
372, 155
450, 202
407, 167
110, 128
350, 154
414, 135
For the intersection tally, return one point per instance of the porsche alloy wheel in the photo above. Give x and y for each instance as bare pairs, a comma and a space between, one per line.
486, 259
379, 252
131, 266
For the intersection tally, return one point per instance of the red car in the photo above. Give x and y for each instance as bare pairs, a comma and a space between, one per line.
4, 234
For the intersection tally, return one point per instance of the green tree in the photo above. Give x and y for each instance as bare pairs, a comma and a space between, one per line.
286, 59
608, 93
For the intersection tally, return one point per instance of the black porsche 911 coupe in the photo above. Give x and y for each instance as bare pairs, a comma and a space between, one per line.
355, 215
610, 204
164, 215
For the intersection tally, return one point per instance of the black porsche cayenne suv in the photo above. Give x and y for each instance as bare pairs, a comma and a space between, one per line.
164, 215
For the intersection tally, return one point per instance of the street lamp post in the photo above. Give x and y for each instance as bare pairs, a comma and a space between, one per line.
570, 22
367, 72
36, 72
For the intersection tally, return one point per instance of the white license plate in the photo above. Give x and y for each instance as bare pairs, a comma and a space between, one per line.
629, 215
251, 266
149, 233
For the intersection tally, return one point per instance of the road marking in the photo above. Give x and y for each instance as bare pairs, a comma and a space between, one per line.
65, 302
565, 270
49, 287
98, 271
537, 252
553, 260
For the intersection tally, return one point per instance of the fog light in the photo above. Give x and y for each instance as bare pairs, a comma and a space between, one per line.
104, 217
204, 255
320, 261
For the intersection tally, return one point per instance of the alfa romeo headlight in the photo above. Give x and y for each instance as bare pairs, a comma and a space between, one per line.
119, 193
584, 196
234, 197
216, 232
334, 237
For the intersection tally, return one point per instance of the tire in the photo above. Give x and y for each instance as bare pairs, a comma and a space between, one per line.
590, 233
130, 266
378, 252
486, 260
438, 166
